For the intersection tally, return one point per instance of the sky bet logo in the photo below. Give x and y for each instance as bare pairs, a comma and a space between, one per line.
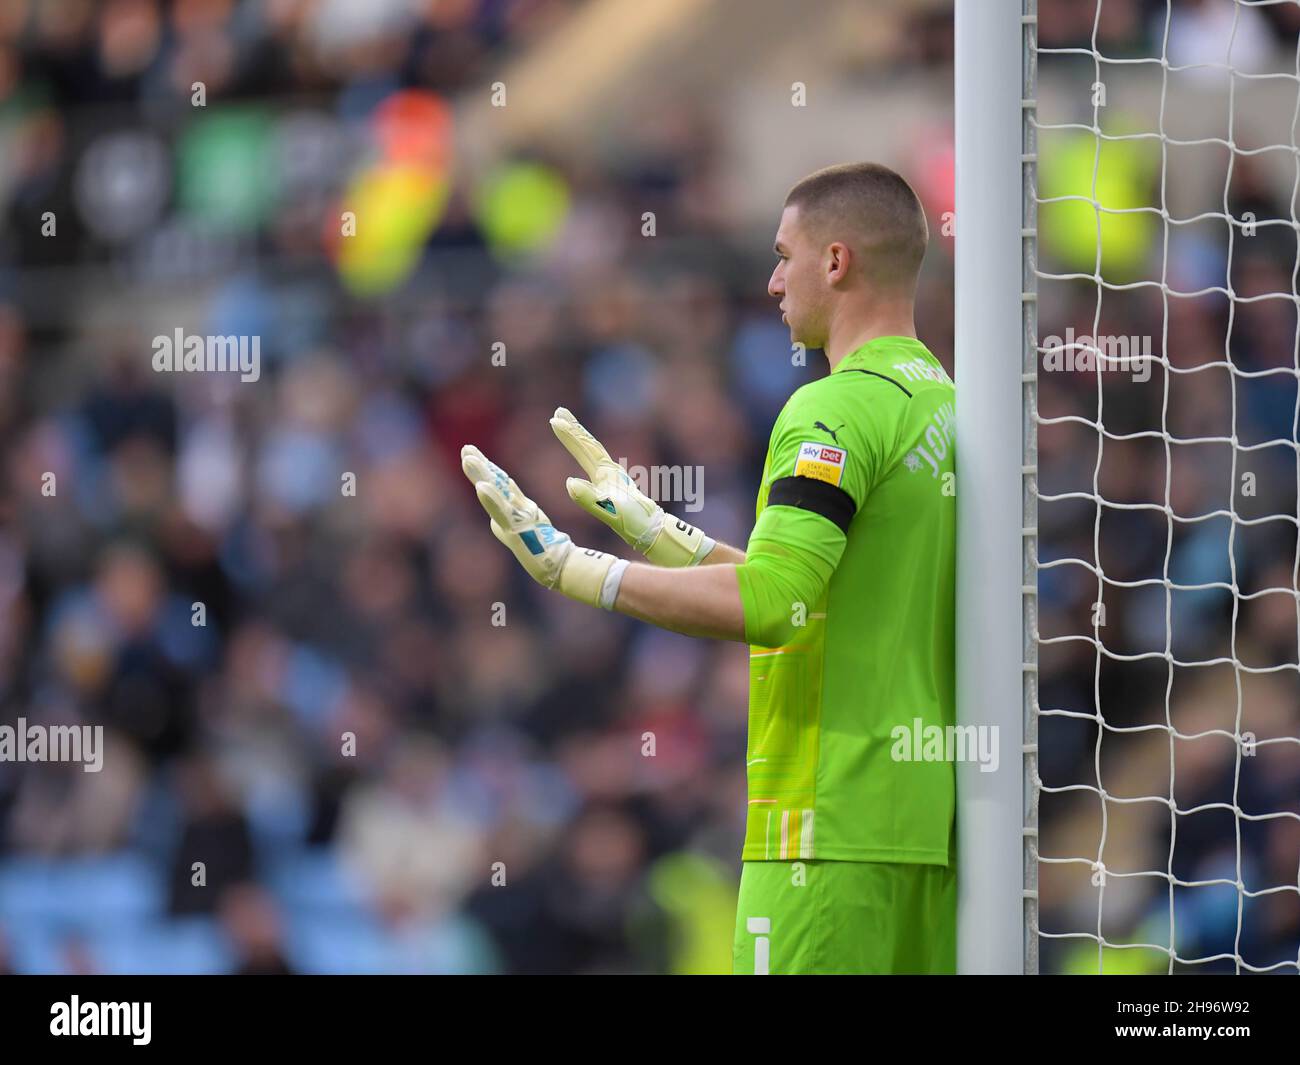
821, 453
820, 462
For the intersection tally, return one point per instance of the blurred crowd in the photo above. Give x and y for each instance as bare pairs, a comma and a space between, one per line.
377, 746
343, 731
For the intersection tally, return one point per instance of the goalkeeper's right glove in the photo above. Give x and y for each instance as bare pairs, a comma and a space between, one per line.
613, 497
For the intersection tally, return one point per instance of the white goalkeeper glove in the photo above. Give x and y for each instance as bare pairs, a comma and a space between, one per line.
613, 497
549, 556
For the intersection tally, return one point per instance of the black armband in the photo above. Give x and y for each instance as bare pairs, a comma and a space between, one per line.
821, 497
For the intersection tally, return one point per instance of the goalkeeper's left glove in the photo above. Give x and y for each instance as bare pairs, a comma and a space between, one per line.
613, 497
549, 556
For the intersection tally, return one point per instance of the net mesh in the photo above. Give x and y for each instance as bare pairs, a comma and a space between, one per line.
1161, 471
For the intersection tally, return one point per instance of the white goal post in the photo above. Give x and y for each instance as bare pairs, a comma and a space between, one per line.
993, 507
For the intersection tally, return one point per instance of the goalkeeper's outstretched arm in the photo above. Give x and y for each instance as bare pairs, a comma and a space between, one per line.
722, 554
701, 601
756, 598
760, 601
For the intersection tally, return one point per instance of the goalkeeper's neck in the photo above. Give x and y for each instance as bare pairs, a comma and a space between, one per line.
855, 323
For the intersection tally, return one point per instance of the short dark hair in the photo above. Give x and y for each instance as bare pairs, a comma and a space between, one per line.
879, 204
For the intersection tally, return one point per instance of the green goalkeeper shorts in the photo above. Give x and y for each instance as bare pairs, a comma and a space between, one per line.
845, 917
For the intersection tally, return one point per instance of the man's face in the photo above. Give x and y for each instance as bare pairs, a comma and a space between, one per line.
799, 282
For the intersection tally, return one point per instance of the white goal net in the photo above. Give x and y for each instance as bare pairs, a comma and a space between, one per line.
1162, 457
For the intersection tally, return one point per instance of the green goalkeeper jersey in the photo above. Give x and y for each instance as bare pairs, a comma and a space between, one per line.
833, 771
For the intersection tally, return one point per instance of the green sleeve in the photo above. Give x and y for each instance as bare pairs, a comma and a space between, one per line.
789, 561
826, 453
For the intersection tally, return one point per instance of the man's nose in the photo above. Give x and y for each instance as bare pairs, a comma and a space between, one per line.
775, 286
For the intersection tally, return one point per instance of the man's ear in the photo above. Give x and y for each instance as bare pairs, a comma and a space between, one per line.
839, 260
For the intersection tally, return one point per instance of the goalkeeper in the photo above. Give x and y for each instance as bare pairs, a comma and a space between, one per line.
845, 594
